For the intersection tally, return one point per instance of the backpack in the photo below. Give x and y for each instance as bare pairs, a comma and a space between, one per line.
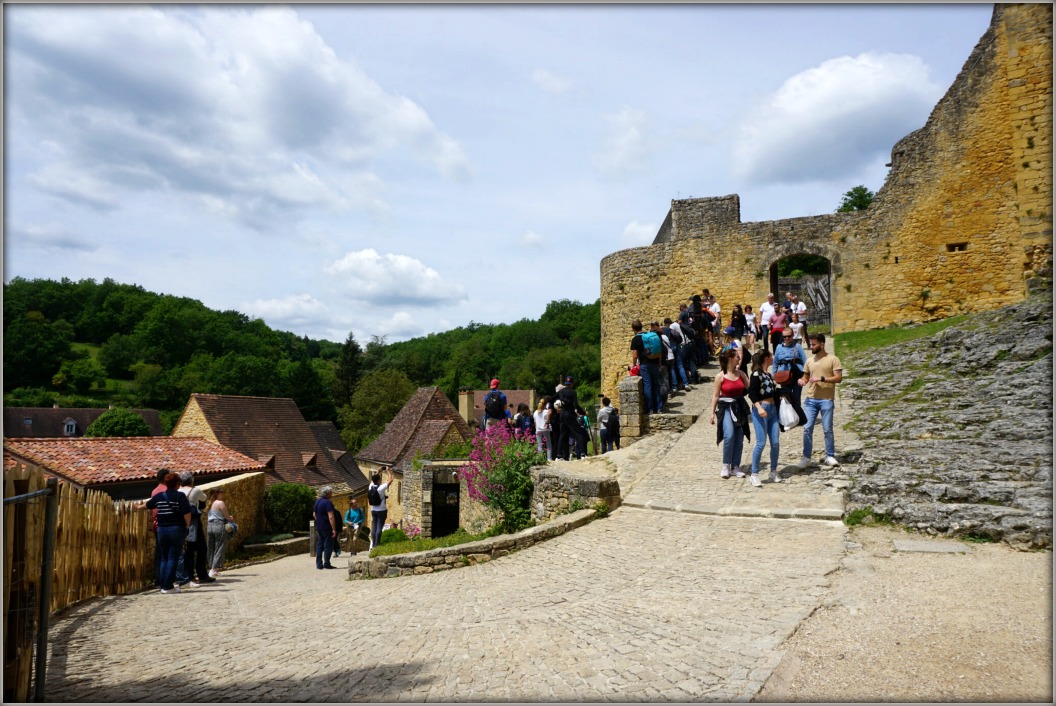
526, 423
612, 424
651, 342
676, 335
373, 495
493, 405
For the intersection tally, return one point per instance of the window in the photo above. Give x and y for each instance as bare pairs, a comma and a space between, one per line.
956, 247
28, 421
70, 428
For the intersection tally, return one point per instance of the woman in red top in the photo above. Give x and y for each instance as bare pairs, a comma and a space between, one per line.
734, 415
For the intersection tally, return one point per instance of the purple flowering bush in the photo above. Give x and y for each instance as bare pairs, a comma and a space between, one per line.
497, 473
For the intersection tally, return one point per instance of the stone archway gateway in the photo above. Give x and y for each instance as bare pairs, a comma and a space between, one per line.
963, 222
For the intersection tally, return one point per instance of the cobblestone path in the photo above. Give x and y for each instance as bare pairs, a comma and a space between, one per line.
645, 605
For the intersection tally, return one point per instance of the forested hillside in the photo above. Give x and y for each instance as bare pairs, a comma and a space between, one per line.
88, 344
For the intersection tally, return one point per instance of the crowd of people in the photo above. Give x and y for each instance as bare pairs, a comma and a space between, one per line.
669, 356
185, 556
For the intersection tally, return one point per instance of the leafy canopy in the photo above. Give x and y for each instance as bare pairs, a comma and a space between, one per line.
118, 422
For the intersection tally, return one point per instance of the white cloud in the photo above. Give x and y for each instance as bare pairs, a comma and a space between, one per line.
251, 107
635, 233
401, 325
531, 239
294, 312
831, 121
625, 148
549, 82
390, 279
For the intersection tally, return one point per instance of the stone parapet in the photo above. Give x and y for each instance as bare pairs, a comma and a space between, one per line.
632, 406
556, 491
467, 554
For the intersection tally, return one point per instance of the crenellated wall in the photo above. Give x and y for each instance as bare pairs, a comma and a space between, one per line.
963, 222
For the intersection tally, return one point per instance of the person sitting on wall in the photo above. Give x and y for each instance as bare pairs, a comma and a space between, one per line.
353, 520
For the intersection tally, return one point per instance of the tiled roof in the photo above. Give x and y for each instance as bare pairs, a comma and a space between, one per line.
51, 421
271, 426
405, 434
117, 459
513, 397
329, 438
425, 440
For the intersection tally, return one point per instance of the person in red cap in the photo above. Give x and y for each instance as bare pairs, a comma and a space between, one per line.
495, 406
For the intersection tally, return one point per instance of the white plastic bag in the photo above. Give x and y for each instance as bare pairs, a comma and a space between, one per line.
789, 416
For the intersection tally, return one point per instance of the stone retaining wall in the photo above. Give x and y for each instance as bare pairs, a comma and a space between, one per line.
467, 554
556, 491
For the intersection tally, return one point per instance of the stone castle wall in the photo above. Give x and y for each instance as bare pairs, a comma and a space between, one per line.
963, 222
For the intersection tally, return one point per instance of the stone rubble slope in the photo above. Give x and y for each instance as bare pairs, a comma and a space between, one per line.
956, 428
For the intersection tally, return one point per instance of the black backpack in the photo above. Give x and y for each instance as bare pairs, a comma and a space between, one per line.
373, 496
493, 406
612, 424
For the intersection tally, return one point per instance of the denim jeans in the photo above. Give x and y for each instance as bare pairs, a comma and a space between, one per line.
651, 377
766, 427
324, 546
606, 443
811, 407
764, 334
377, 524
170, 542
543, 438
732, 440
678, 369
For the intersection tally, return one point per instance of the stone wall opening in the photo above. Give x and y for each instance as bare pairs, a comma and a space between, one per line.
809, 277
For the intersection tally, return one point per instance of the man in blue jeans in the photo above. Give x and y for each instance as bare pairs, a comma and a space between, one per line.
820, 375
379, 511
649, 367
325, 528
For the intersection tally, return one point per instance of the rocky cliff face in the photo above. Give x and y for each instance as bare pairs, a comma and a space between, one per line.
956, 428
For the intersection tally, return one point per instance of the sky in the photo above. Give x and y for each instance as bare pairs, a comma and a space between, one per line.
402, 170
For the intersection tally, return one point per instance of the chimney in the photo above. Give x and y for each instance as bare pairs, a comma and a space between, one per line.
465, 405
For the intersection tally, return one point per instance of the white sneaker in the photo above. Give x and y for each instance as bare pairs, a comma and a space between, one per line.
755, 480
738, 472
803, 462
174, 589
775, 477
212, 573
830, 461
725, 470
190, 584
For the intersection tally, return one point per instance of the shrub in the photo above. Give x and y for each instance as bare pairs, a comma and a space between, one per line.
118, 422
497, 474
393, 535
288, 506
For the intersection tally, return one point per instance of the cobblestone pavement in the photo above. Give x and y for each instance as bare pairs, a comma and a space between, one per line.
645, 605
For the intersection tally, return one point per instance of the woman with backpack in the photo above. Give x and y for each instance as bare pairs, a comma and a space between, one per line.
378, 510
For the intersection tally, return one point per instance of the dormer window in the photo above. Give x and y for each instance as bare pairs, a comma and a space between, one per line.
308, 459
70, 427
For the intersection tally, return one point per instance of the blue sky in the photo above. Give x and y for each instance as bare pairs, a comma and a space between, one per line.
402, 170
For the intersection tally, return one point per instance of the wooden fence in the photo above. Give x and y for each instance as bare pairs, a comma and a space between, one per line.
102, 548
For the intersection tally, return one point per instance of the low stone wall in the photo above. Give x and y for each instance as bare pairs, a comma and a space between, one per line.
466, 554
670, 422
633, 422
289, 547
556, 490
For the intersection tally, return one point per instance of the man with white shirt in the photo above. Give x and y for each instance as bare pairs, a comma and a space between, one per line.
766, 311
716, 310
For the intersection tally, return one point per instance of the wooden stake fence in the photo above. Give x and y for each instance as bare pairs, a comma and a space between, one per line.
102, 548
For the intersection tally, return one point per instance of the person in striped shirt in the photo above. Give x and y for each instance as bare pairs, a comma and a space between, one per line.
173, 517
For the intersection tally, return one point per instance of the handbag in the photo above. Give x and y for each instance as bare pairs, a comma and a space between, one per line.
782, 376
231, 527
788, 415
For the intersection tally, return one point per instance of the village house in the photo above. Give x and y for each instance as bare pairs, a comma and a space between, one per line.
273, 431
38, 422
427, 423
126, 467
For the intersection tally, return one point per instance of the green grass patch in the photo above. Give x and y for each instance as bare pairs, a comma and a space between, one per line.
853, 342
461, 536
977, 538
867, 516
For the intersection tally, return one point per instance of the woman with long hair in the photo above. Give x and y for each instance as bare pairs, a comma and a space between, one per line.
728, 401
763, 392
777, 326
218, 535
738, 322
750, 327
542, 428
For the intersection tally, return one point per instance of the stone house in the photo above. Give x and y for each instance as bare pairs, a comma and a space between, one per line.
427, 422
39, 422
126, 467
273, 431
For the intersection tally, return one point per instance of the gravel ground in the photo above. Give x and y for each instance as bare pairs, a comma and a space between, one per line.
908, 626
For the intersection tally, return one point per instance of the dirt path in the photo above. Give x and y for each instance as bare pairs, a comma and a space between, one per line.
905, 626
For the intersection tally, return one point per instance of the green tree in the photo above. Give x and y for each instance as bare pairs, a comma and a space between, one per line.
857, 199
118, 355
288, 507
118, 422
33, 350
78, 375
349, 367
306, 387
378, 398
